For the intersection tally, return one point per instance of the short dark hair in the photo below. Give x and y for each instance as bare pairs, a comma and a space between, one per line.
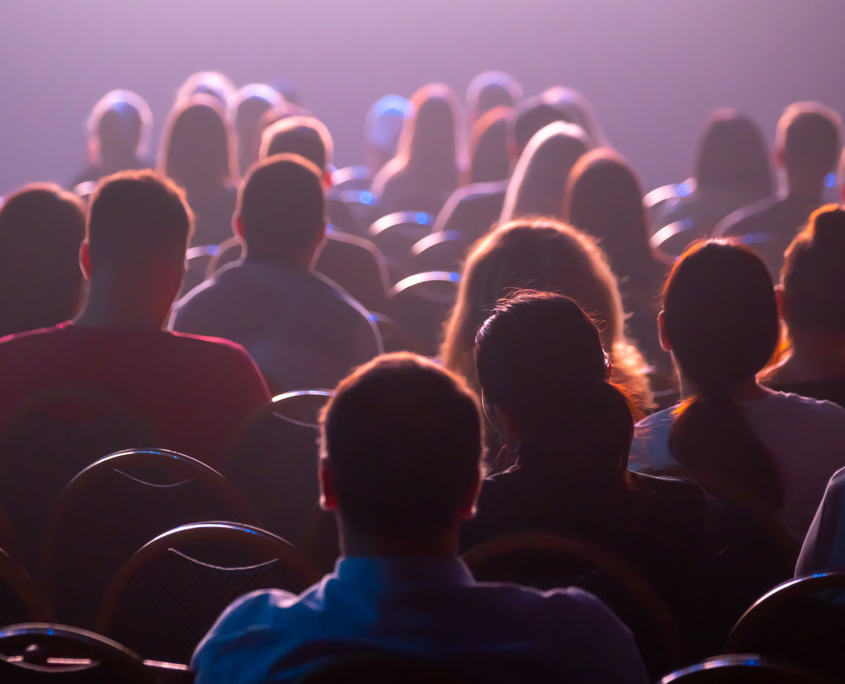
137, 216
403, 440
281, 205
809, 134
303, 135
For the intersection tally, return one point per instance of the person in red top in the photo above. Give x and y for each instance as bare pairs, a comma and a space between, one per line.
193, 392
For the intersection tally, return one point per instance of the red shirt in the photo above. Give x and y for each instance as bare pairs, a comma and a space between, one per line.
193, 391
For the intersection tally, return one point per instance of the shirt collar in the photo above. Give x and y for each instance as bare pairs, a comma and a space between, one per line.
414, 571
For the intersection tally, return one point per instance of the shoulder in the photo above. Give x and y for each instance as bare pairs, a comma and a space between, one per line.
746, 219
797, 406
216, 350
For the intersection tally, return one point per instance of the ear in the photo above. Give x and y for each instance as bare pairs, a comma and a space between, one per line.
665, 344
328, 181
779, 298
328, 498
778, 154
85, 259
513, 153
470, 507
237, 225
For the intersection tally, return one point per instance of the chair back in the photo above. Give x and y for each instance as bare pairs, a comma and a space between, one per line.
21, 599
45, 653
45, 443
227, 251
421, 304
740, 668
168, 595
382, 668
801, 621
395, 338
547, 561
273, 460
395, 235
350, 178
115, 506
196, 265
444, 251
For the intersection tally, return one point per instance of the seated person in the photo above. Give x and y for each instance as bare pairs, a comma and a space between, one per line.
812, 303
488, 90
824, 546
302, 331
720, 322
544, 379
41, 228
807, 145
352, 262
400, 468
384, 126
118, 136
193, 393
473, 209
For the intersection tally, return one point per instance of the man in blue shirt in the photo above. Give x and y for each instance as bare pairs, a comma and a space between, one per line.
400, 466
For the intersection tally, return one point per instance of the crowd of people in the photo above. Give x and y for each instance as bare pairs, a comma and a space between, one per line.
612, 363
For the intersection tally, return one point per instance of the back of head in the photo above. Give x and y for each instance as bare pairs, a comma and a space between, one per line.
402, 440
137, 218
813, 276
384, 124
251, 102
539, 179
809, 135
119, 127
489, 90
432, 138
529, 118
604, 199
577, 110
211, 83
489, 156
540, 361
197, 146
302, 135
732, 155
721, 319
41, 228
281, 206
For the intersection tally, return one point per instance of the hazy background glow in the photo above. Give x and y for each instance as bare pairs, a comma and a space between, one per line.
653, 69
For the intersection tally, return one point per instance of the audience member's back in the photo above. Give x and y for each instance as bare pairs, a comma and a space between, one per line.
401, 445
41, 228
192, 393
302, 331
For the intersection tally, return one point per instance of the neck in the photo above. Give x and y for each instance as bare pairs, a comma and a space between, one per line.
441, 545
103, 309
747, 390
807, 187
814, 356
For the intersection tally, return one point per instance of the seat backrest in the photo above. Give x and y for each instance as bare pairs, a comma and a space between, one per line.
227, 251
350, 178
273, 461
395, 235
740, 668
39, 653
801, 621
444, 251
421, 304
115, 506
168, 595
197, 260
21, 599
395, 338
547, 561
45, 443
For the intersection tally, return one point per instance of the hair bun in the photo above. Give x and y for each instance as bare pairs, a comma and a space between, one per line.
829, 230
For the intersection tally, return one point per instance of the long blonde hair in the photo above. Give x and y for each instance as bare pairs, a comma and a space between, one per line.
547, 255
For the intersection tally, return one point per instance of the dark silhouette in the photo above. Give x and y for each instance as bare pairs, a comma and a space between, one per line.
198, 153
576, 110
812, 303
604, 199
489, 90
41, 228
302, 330
400, 449
807, 144
384, 127
251, 103
731, 171
430, 159
118, 136
489, 161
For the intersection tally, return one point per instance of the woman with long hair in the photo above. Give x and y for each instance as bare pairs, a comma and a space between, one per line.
604, 199
198, 153
489, 161
720, 322
431, 157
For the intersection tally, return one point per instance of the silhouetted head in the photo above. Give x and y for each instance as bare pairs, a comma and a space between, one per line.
303, 135
489, 90
544, 378
211, 83
488, 147
732, 155
384, 126
119, 128
808, 139
544, 255
529, 118
139, 225
576, 110
813, 276
604, 199
400, 450
197, 146
432, 137
251, 103
41, 228
280, 210
539, 179
720, 321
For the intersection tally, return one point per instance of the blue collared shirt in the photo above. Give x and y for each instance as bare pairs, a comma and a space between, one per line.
429, 608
